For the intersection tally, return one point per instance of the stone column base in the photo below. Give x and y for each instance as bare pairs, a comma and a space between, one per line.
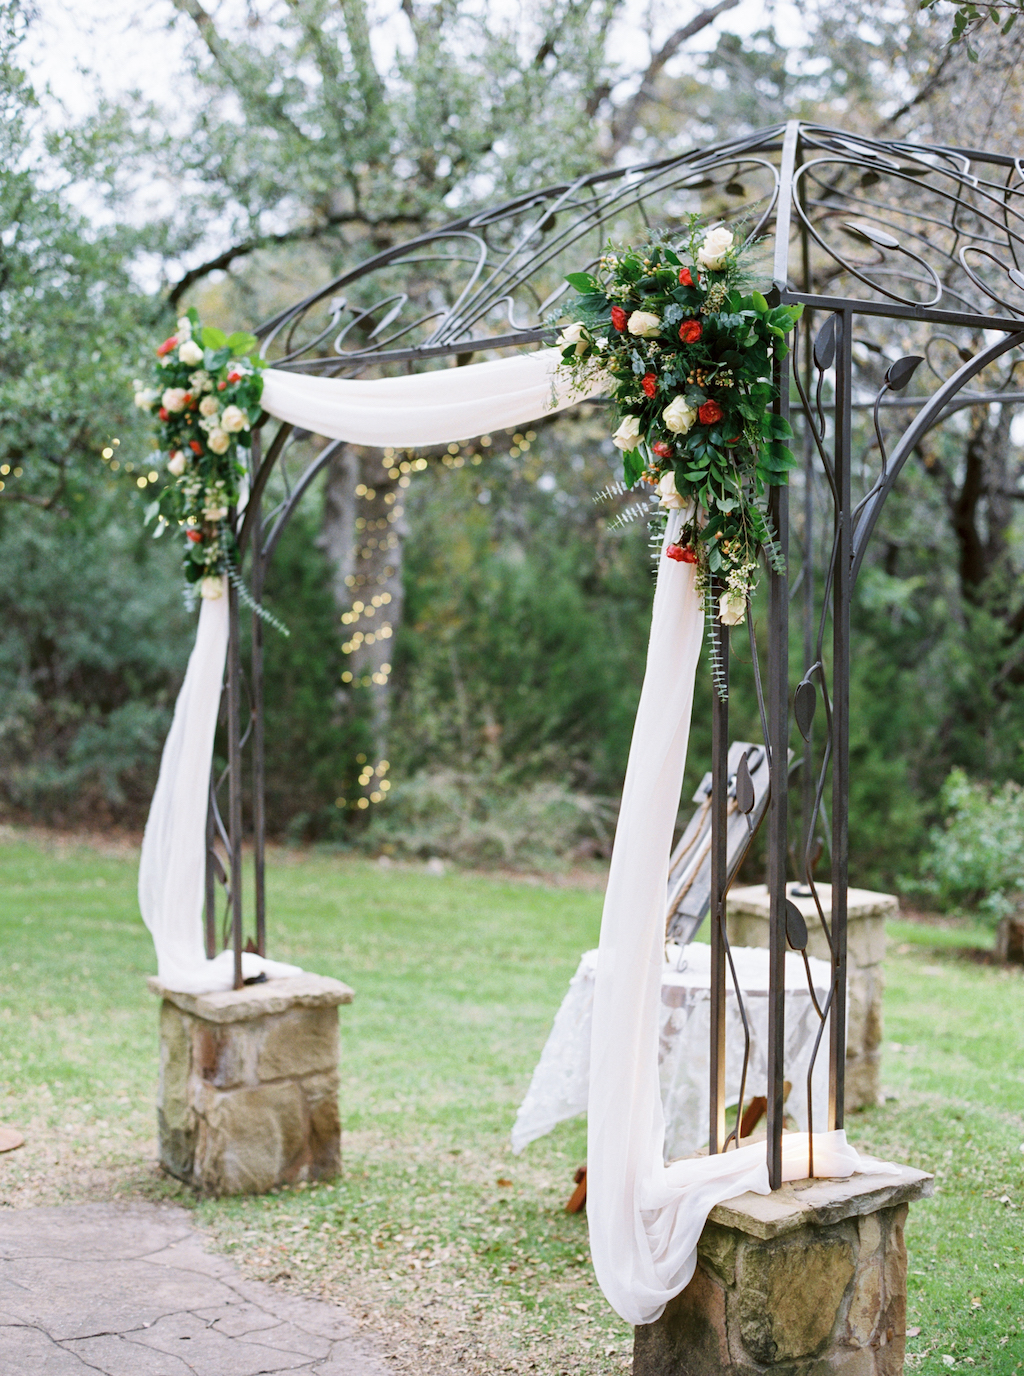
248, 1093
808, 1281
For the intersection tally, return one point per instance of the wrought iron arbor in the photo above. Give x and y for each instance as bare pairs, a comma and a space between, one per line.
909, 261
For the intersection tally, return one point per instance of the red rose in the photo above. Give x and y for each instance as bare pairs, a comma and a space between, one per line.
663, 450
234, 377
194, 536
195, 446
682, 554
163, 413
710, 412
221, 386
618, 318
685, 280
690, 331
167, 346
649, 383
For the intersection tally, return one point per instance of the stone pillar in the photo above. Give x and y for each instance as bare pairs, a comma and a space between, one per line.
865, 983
808, 1281
248, 1094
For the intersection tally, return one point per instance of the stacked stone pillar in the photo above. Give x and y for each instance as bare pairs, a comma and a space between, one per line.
808, 1281
748, 911
248, 1096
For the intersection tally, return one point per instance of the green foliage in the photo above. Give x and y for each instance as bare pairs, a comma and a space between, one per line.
977, 858
491, 819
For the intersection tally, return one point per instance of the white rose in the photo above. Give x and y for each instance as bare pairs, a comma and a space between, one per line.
678, 417
711, 254
670, 498
732, 608
174, 399
644, 323
190, 353
176, 463
212, 588
233, 420
218, 440
628, 434
574, 334
184, 329
145, 398
214, 513
208, 406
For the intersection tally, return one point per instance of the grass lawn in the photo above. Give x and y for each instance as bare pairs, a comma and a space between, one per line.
436, 1236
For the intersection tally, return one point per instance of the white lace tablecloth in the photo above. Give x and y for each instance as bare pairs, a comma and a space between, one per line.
559, 1086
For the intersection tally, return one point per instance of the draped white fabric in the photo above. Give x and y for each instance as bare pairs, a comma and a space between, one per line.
645, 1218
428, 408
172, 867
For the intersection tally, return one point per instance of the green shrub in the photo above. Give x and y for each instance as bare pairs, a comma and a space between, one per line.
977, 858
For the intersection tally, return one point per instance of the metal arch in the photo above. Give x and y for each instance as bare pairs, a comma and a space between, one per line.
942, 224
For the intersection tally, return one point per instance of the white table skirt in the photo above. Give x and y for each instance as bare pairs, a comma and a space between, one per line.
560, 1082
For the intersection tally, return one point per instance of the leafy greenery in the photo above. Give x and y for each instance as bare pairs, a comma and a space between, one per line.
456, 980
977, 857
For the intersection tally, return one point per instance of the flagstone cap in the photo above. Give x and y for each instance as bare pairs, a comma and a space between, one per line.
818, 1203
257, 1000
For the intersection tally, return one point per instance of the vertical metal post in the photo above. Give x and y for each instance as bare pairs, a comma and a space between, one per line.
778, 738
719, 869
258, 765
235, 778
210, 913
841, 592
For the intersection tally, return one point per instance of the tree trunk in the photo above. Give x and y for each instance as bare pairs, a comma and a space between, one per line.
363, 533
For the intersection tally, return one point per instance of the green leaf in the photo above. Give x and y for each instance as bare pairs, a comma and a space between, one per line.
213, 338
583, 281
151, 511
632, 466
241, 343
215, 359
760, 304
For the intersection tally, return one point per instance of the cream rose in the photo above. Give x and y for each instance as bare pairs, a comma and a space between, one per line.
217, 440
643, 323
670, 498
678, 417
574, 334
214, 513
212, 588
233, 420
628, 434
176, 463
146, 398
732, 608
174, 399
208, 406
190, 353
717, 243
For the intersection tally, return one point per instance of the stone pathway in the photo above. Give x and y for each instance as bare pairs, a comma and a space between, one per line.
128, 1290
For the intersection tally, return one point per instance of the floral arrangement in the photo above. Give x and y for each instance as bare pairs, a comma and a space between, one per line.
690, 347
206, 397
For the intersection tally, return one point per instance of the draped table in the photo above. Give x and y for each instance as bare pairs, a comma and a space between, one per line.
561, 1082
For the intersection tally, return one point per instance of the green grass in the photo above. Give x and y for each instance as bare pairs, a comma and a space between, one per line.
451, 1247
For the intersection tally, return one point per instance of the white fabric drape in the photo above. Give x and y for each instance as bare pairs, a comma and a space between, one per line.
427, 408
645, 1217
172, 866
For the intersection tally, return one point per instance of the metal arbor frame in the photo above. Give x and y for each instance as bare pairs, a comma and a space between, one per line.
902, 255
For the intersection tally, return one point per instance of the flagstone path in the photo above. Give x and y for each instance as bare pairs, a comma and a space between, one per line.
128, 1290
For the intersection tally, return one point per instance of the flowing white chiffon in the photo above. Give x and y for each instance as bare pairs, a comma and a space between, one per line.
438, 407
645, 1218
